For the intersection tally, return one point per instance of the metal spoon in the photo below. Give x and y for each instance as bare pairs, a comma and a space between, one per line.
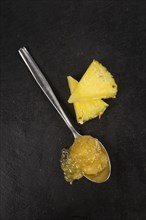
44, 85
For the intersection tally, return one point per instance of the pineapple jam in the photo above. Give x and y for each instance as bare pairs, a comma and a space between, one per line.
86, 157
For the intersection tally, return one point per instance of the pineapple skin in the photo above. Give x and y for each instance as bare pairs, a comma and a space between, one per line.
96, 83
86, 110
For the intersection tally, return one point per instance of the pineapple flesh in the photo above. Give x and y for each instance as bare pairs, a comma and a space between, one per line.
86, 110
97, 83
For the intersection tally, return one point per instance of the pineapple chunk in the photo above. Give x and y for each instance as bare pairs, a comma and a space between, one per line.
86, 110
96, 83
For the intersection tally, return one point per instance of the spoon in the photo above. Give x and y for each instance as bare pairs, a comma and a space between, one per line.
44, 85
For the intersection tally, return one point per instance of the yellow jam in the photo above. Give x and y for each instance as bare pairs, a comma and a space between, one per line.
86, 157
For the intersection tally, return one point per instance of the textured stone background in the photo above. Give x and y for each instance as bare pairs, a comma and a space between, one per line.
64, 36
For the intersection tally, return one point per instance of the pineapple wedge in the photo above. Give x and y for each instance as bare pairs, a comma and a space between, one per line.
96, 83
86, 110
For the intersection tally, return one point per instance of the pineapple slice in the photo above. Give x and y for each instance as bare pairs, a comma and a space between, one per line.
86, 110
96, 83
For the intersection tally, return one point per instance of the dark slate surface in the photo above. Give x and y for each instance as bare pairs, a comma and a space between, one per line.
64, 36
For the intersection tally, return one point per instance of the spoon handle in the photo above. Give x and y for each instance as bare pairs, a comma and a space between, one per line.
44, 85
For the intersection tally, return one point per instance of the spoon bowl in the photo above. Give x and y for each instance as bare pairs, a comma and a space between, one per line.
105, 174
